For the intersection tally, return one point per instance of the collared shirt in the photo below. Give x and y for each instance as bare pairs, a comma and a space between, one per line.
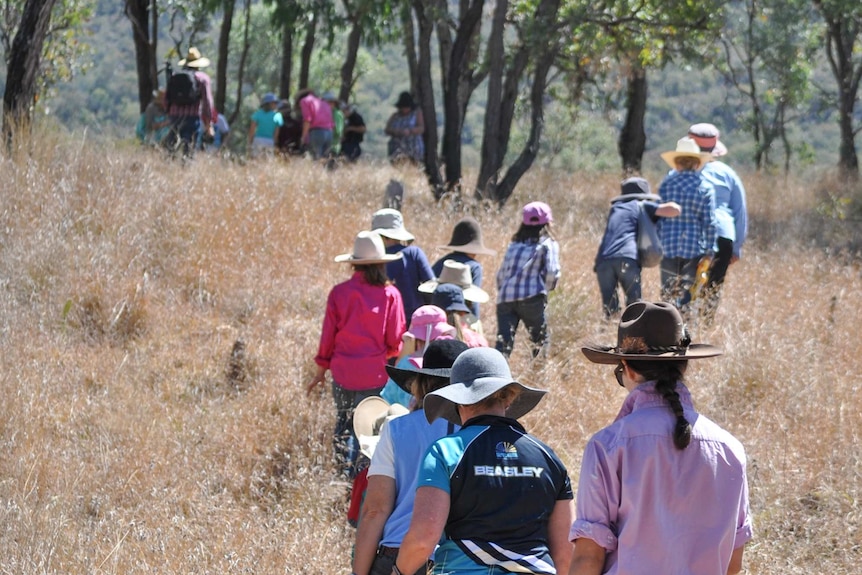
692, 234
362, 328
204, 108
407, 273
730, 209
529, 268
503, 485
656, 508
620, 239
316, 112
402, 445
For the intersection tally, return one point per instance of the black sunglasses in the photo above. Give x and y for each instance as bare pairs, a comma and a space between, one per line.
618, 373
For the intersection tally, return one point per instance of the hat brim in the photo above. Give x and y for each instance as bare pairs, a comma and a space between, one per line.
444, 402
471, 292
471, 248
626, 197
607, 355
349, 259
719, 150
401, 235
403, 377
199, 63
670, 157
368, 411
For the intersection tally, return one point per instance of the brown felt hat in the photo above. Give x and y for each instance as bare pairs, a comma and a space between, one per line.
651, 332
467, 238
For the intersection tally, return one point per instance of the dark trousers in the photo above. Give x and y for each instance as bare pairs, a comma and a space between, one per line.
532, 312
717, 273
623, 272
183, 135
677, 277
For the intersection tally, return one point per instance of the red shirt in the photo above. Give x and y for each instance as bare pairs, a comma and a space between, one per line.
362, 328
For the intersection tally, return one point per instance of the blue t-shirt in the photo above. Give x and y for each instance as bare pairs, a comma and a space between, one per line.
266, 121
621, 232
503, 485
407, 273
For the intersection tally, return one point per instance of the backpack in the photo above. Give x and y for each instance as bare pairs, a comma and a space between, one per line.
650, 251
183, 88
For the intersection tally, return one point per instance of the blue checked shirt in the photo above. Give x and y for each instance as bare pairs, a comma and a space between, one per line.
693, 233
528, 269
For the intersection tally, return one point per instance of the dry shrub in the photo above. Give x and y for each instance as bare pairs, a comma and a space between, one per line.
138, 437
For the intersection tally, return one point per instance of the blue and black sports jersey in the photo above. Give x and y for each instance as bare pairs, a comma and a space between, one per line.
503, 485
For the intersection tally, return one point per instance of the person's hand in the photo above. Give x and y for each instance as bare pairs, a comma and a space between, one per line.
318, 381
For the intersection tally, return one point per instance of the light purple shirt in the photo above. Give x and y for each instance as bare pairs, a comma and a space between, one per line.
658, 509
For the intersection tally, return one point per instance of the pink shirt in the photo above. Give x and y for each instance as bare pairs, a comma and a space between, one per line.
316, 112
206, 108
657, 509
362, 328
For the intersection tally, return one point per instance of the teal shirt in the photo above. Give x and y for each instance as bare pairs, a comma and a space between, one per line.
266, 121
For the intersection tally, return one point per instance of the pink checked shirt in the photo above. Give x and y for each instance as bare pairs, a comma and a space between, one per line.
362, 328
657, 509
316, 112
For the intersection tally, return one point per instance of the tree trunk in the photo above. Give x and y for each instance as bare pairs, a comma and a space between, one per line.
23, 66
456, 87
491, 142
240, 74
353, 41
138, 13
286, 61
223, 49
426, 98
410, 46
307, 49
632, 142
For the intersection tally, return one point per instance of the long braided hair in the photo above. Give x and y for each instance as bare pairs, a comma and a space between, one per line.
666, 374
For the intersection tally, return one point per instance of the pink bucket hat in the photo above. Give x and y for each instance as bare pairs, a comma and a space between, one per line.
429, 323
537, 214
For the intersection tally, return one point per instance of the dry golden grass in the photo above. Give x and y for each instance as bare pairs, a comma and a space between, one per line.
134, 440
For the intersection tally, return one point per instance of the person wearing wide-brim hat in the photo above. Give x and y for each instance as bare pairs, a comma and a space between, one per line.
450, 298
189, 101
730, 211
502, 496
465, 244
362, 329
405, 129
413, 268
266, 122
400, 449
691, 236
617, 264
662, 489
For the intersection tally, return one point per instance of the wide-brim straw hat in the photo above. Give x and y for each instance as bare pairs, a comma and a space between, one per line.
368, 419
686, 148
459, 274
477, 374
436, 362
467, 238
194, 59
368, 249
706, 135
650, 332
389, 223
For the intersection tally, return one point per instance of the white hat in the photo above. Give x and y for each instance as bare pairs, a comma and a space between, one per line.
686, 148
389, 223
367, 249
459, 274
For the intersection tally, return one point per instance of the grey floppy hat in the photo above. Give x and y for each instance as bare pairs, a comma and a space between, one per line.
635, 188
477, 374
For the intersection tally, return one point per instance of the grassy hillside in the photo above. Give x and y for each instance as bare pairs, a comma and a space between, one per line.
133, 443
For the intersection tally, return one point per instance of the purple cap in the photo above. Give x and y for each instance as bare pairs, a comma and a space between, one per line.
537, 214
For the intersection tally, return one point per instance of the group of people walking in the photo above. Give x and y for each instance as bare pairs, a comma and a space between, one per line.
457, 484
702, 221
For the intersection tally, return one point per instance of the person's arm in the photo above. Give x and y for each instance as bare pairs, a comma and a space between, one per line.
740, 216
207, 105
419, 128
430, 511
396, 324
252, 129
318, 380
378, 506
389, 130
735, 565
559, 524
588, 558
668, 210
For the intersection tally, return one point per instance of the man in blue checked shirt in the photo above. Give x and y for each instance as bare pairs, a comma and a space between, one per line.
530, 269
692, 235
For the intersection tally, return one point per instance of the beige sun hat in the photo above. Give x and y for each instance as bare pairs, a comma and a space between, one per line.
367, 249
368, 419
389, 223
194, 59
459, 274
686, 148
